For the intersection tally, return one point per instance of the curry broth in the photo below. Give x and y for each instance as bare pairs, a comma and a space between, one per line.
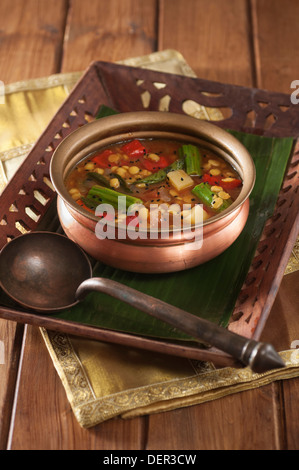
155, 173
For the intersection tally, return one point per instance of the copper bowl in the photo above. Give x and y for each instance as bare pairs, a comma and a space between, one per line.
176, 252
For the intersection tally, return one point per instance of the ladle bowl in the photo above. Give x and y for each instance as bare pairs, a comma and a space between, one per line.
46, 271
42, 270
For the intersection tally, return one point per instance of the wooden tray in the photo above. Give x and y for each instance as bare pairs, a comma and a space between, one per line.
28, 202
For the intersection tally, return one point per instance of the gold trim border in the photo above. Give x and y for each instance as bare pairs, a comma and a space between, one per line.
205, 385
173, 57
66, 79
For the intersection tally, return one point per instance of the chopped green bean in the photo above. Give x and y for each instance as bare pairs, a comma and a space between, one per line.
193, 159
101, 195
204, 193
206, 196
89, 203
103, 181
98, 178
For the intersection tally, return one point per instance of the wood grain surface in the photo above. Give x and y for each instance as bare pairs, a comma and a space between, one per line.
251, 43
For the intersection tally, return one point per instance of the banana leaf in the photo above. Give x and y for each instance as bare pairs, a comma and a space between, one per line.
209, 291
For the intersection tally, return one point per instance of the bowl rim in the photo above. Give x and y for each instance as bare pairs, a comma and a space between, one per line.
126, 126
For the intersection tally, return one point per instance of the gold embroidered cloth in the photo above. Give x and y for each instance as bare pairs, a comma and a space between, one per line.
101, 380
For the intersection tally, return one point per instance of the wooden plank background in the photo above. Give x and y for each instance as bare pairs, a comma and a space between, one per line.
244, 42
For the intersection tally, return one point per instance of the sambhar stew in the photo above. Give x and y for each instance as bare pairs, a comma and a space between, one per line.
155, 172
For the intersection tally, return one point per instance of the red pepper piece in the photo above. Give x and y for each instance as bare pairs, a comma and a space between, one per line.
235, 183
134, 149
155, 166
212, 180
101, 159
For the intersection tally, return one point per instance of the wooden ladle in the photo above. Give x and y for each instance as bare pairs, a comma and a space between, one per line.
48, 272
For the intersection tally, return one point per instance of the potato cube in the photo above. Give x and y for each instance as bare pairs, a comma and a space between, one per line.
180, 180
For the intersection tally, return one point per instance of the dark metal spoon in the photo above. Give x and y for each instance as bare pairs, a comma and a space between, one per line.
46, 272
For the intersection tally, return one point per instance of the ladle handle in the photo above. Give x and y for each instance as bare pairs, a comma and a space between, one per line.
259, 356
